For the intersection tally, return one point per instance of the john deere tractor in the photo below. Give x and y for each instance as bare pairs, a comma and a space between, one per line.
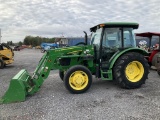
111, 55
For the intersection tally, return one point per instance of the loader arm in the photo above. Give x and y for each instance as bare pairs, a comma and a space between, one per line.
42, 71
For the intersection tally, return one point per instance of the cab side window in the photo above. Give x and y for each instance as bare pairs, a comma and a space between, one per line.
128, 39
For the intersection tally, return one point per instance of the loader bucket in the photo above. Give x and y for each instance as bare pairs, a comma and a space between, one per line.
17, 90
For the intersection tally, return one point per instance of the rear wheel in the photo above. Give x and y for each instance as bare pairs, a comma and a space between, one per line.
1, 64
154, 59
131, 70
78, 79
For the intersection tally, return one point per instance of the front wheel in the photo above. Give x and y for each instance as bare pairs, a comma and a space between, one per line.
131, 70
78, 79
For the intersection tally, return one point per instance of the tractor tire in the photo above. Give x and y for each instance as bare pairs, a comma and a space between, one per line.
78, 79
61, 75
1, 64
154, 60
131, 70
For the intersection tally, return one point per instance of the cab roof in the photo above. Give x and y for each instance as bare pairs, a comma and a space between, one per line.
116, 24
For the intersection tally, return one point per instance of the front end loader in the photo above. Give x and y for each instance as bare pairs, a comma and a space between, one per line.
111, 55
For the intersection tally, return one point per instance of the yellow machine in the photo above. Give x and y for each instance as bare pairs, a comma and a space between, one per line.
37, 47
6, 55
30, 47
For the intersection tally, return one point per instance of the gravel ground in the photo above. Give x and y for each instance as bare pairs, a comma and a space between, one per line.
103, 101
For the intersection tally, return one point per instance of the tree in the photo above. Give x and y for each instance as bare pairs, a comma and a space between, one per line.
9, 43
36, 41
20, 43
26, 40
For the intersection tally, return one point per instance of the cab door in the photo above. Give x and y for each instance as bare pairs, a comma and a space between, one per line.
110, 44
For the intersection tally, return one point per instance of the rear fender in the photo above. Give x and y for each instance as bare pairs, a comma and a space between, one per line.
115, 57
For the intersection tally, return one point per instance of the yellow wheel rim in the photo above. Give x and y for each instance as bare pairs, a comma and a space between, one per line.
134, 71
78, 80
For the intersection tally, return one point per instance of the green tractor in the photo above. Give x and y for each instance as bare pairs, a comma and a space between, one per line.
111, 55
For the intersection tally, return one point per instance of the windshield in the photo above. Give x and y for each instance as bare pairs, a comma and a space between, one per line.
95, 37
